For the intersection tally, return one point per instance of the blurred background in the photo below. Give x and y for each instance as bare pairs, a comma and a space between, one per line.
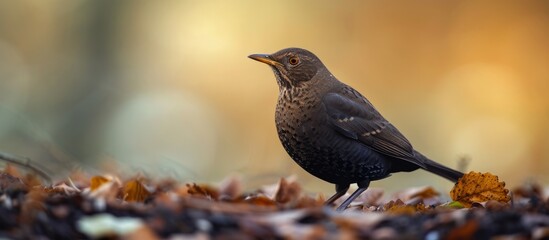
166, 88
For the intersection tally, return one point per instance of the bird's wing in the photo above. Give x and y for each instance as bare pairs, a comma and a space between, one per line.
356, 118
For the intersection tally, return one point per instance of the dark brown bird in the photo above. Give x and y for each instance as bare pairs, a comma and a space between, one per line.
335, 133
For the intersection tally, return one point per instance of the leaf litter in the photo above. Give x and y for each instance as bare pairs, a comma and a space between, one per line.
109, 207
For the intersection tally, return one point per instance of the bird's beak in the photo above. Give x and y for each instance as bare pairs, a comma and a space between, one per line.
264, 58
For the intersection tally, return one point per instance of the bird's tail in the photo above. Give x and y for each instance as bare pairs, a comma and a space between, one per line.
441, 170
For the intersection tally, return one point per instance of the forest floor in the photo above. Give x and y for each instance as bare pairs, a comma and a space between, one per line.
106, 207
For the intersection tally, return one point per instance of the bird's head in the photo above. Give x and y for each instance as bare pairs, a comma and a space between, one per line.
292, 66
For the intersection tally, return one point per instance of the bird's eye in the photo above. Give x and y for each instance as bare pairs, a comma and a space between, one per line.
293, 61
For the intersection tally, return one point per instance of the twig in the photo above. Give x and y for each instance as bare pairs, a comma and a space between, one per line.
25, 163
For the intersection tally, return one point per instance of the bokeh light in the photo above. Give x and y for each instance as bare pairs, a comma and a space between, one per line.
166, 87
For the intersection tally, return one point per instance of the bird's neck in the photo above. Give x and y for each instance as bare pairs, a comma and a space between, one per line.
321, 83
291, 94
302, 89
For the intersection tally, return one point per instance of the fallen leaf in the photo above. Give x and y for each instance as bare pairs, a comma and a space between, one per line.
135, 191
32, 180
230, 188
33, 205
495, 205
260, 200
479, 187
465, 231
412, 196
394, 205
64, 188
11, 183
308, 202
97, 181
203, 190
371, 197
80, 178
271, 190
11, 170
287, 191
144, 233
454, 204
528, 190
108, 190
424, 192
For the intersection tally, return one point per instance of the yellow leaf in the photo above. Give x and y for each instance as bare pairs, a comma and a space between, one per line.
479, 187
455, 204
97, 181
135, 191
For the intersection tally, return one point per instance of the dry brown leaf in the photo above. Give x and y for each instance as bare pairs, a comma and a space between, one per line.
135, 191
287, 191
10, 183
80, 178
424, 193
393, 204
182, 190
11, 170
203, 190
33, 205
63, 188
97, 181
270, 190
479, 187
415, 195
309, 202
495, 205
29, 179
32, 180
230, 188
465, 231
260, 200
528, 190
143, 232
169, 200
109, 190
399, 207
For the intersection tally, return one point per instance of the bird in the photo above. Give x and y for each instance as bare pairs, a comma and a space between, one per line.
335, 133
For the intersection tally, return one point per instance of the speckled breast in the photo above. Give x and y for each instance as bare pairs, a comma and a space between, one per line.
310, 141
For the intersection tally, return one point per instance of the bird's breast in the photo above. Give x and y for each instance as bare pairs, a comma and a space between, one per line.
311, 141
304, 133
298, 121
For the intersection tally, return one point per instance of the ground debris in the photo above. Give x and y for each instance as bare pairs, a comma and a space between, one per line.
107, 207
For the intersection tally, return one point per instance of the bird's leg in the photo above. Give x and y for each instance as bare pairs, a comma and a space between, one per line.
362, 186
340, 191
